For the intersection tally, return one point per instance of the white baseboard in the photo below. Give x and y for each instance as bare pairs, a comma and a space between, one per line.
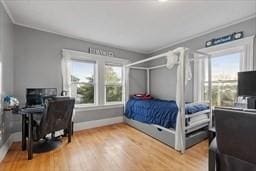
5, 147
15, 137
97, 123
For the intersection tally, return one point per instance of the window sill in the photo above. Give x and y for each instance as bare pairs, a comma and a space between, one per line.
97, 107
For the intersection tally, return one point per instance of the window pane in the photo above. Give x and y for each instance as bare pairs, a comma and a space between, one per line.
82, 72
84, 93
224, 79
113, 74
82, 78
113, 93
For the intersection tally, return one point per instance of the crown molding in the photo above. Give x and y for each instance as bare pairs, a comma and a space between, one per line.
7, 10
109, 45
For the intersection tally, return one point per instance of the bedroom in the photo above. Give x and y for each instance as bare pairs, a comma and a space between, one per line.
87, 50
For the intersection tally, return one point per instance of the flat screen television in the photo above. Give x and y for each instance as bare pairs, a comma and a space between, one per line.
247, 84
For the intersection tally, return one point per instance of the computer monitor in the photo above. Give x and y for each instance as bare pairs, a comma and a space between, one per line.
37, 96
247, 84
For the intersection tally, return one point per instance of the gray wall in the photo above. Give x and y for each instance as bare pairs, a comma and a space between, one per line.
37, 64
163, 81
6, 62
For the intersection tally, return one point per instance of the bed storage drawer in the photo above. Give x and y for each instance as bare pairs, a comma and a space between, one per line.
153, 131
146, 128
165, 136
196, 137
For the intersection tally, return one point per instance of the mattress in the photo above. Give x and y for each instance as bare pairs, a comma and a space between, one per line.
159, 112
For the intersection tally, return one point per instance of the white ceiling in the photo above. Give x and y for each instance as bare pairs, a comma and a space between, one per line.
141, 26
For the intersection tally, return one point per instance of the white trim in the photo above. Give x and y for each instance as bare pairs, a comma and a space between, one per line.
245, 44
148, 81
7, 10
122, 84
96, 43
92, 57
99, 83
204, 33
198, 113
6, 146
97, 123
176, 50
97, 107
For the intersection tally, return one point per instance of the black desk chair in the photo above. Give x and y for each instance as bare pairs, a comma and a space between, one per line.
57, 116
234, 148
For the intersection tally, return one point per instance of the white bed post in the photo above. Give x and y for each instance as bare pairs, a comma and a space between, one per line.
180, 141
148, 81
182, 98
126, 93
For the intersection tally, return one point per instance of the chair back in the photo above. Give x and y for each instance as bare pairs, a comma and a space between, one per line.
57, 115
236, 134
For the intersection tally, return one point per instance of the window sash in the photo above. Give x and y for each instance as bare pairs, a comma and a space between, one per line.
114, 101
115, 84
94, 93
105, 73
244, 45
99, 81
86, 83
87, 62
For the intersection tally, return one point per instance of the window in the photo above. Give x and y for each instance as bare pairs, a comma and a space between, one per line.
113, 83
83, 81
226, 60
224, 79
95, 81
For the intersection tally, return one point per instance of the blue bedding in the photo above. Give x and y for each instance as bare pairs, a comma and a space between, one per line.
159, 112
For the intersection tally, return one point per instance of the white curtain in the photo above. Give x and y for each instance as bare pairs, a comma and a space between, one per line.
66, 74
180, 98
66, 77
200, 73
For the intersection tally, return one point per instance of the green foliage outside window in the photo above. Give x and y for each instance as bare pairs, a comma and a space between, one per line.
113, 85
84, 92
223, 92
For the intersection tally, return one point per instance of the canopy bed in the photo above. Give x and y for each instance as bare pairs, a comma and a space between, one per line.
176, 123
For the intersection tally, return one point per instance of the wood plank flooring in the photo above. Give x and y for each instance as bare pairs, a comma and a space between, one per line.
116, 147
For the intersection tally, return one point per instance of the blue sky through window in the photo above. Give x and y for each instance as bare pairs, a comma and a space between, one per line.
82, 70
226, 67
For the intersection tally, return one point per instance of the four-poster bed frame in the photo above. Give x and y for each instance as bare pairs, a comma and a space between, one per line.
183, 136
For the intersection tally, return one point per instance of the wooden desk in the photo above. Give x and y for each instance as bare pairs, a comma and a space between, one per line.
27, 116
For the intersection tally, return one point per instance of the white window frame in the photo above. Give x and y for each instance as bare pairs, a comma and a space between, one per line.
122, 84
100, 62
96, 101
245, 45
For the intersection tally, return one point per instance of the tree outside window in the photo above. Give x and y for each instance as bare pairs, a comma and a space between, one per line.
83, 81
224, 79
113, 83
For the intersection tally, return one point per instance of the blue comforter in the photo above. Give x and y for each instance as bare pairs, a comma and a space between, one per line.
159, 112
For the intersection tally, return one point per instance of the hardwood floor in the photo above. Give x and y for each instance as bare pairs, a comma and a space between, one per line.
111, 148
